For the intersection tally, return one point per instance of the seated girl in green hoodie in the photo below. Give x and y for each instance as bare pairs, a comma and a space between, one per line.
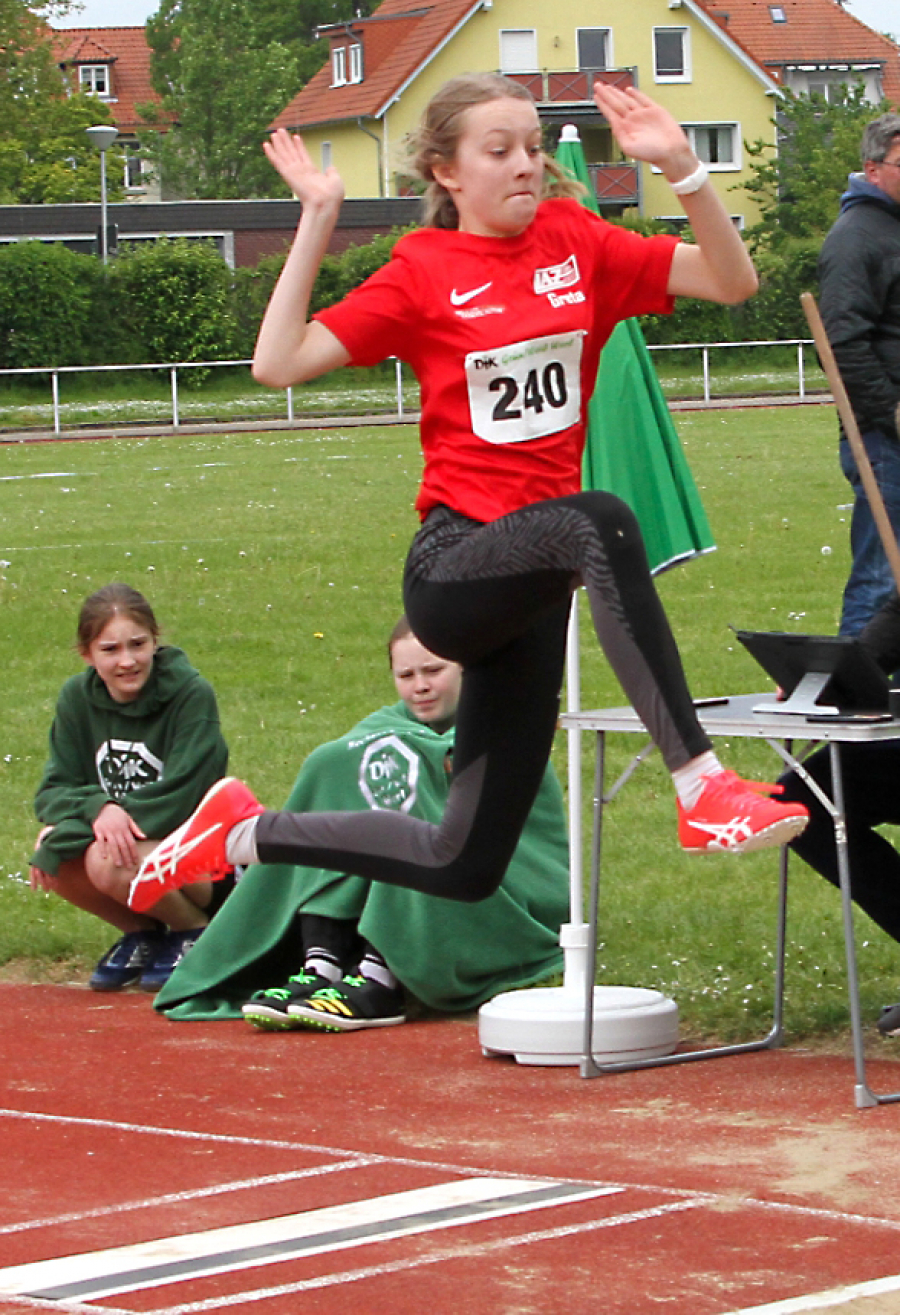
135, 743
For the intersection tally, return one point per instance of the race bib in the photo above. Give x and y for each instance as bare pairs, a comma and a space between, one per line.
525, 390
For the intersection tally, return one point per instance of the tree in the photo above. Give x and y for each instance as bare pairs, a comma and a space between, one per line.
222, 87
45, 156
294, 23
48, 305
799, 187
26, 64
224, 69
50, 160
175, 302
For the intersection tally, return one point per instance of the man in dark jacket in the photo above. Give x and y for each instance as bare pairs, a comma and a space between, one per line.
870, 775
859, 278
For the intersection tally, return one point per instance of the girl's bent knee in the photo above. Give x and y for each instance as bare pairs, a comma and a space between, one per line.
475, 884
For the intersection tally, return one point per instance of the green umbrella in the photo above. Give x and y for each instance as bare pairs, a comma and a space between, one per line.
632, 448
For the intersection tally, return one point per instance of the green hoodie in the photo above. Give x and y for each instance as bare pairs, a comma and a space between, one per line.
156, 757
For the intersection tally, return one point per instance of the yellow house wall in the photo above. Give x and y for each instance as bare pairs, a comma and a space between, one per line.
721, 89
354, 154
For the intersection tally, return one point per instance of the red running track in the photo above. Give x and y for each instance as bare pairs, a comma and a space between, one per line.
151, 1166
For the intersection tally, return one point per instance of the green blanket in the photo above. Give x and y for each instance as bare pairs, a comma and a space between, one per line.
451, 956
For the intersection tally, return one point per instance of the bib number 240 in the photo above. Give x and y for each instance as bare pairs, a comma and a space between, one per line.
545, 389
525, 390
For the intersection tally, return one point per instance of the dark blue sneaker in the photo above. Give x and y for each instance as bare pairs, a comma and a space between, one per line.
173, 946
126, 961
889, 1020
268, 1009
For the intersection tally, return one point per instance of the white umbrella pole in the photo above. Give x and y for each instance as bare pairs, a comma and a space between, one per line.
573, 935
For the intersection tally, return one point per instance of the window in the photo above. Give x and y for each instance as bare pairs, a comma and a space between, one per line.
346, 64
831, 88
518, 50
134, 171
716, 144
93, 78
327, 156
594, 47
671, 54
828, 82
677, 224
778, 14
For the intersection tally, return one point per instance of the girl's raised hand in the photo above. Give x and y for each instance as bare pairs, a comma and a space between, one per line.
643, 129
311, 185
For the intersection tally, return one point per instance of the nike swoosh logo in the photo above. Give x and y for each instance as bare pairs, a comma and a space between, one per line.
460, 298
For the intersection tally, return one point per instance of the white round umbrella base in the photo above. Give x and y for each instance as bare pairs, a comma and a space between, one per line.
546, 1025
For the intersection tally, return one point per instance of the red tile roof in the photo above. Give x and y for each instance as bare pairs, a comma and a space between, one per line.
814, 32
399, 37
125, 49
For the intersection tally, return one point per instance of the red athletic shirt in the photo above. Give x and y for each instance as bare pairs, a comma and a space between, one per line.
504, 336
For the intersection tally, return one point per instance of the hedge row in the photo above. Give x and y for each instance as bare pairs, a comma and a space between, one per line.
178, 301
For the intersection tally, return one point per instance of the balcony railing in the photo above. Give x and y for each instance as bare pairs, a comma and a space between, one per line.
615, 184
570, 86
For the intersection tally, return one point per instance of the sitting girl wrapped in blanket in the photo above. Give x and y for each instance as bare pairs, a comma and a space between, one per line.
331, 951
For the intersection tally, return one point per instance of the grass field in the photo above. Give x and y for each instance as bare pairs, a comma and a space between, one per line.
275, 560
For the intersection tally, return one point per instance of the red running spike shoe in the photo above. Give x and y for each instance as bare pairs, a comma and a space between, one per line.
737, 816
197, 848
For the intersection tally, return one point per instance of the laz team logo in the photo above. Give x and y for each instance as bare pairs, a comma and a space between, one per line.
553, 278
124, 765
553, 281
389, 774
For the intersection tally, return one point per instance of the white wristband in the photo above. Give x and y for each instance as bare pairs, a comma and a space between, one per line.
692, 183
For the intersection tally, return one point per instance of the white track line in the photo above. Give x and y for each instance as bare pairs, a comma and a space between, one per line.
177, 1198
353, 1157
833, 1299
151, 1130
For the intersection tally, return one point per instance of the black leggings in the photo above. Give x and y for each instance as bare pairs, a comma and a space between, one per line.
495, 598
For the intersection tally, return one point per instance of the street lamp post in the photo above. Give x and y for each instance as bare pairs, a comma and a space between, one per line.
103, 137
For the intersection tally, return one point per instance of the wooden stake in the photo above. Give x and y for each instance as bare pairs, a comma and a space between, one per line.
851, 429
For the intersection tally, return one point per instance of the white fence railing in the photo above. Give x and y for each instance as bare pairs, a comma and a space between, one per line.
173, 369
706, 347
401, 412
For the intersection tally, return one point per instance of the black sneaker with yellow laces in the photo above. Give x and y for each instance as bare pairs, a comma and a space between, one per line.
353, 1003
268, 1010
